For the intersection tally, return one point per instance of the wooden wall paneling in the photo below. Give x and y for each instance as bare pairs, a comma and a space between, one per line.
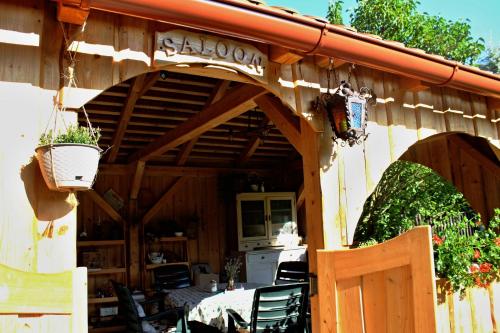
480, 310
21, 57
52, 43
306, 82
491, 183
95, 64
481, 117
438, 110
440, 158
281, 83
456, 165
395, 117
135, 46
473, 183
465, 105
424, 107
377, 147
213, 225
453, 113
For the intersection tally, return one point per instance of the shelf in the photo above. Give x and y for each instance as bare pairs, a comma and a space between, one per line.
101, 300
153, 266
100, 243
173, 239
107, 271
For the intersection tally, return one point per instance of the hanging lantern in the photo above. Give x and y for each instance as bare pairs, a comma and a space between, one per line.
347, 112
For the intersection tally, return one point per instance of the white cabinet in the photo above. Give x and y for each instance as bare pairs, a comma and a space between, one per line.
266, 219
261, 266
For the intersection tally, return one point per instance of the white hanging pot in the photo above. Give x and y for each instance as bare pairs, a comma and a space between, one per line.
68, 167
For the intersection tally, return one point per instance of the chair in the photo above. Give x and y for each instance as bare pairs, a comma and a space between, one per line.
172, 277
292, 271
134, 315
280, 308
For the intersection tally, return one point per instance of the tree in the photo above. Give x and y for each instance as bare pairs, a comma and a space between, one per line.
400, 20
491, 62
334, 12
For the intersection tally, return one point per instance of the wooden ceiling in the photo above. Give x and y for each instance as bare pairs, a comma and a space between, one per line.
137, 112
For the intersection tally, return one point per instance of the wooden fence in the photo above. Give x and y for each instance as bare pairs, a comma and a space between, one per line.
43, 303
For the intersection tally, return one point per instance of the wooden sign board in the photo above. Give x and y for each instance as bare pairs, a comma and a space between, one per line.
184, 47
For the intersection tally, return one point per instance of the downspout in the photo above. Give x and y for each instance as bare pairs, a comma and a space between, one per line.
271, 26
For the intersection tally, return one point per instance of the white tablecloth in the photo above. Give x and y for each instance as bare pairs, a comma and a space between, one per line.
210, 308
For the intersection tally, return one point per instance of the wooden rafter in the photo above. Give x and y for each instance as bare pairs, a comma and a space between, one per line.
105, 206
177, 171
282, 119
133, 95
252, 145
137, 180
219, 90
233, 104
164, 198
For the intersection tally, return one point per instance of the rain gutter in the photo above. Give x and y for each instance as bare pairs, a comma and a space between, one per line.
276, 27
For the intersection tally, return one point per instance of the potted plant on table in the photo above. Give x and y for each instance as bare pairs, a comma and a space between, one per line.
68, 159
232, 268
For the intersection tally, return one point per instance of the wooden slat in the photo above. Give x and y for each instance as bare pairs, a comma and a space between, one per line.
374, 299
282, 118
104, 206
252, 145
126, 113
233, 104
164, 198
349, 305
283, 56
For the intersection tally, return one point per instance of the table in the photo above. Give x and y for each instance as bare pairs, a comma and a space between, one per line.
210, 308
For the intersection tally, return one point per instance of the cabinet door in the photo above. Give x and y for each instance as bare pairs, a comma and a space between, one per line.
252, 215
282, 216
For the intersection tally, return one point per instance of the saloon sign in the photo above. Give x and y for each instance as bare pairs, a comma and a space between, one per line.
179, 46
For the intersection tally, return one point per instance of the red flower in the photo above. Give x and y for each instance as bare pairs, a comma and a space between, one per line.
479, 283
485, 267
477, 254
474, 268
437, 240
497, 241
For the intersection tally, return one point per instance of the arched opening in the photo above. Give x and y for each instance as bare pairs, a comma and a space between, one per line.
180, 148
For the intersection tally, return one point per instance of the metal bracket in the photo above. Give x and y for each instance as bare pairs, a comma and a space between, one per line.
313, 284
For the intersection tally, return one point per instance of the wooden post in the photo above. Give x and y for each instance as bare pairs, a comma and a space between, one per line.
312, 194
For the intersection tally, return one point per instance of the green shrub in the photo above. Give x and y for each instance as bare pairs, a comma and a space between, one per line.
73, 134
410, 194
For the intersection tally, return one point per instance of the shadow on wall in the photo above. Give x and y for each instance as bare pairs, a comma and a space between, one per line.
47, 205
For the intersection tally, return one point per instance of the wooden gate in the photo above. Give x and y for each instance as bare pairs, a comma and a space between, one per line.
388, 287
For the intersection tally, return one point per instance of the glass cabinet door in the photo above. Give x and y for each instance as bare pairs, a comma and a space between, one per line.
253, 219
282, 217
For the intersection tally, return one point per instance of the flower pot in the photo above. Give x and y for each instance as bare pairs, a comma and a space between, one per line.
68, 166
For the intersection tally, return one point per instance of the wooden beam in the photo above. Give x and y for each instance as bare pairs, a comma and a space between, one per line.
324, 62
149, 82
219, 90
283, 56
235, 103
98, 200
126, 114
413, 85
178, 171
164, 198
73, 12
301, 196
282, 119
137, 180
252, 145
493, 103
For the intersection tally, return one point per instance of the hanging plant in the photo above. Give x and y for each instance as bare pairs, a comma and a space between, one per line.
68, 155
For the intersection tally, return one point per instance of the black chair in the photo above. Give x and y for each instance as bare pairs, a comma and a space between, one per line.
172, 277
280, 308
292, 271
127, 308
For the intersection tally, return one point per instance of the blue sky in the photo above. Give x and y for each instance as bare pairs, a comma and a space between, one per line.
484, 15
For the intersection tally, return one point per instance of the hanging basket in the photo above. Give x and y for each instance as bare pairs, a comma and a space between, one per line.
68, 167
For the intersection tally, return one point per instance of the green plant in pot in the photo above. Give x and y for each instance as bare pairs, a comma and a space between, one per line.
68, 159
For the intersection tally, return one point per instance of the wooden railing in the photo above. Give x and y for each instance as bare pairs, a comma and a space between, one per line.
43, 303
